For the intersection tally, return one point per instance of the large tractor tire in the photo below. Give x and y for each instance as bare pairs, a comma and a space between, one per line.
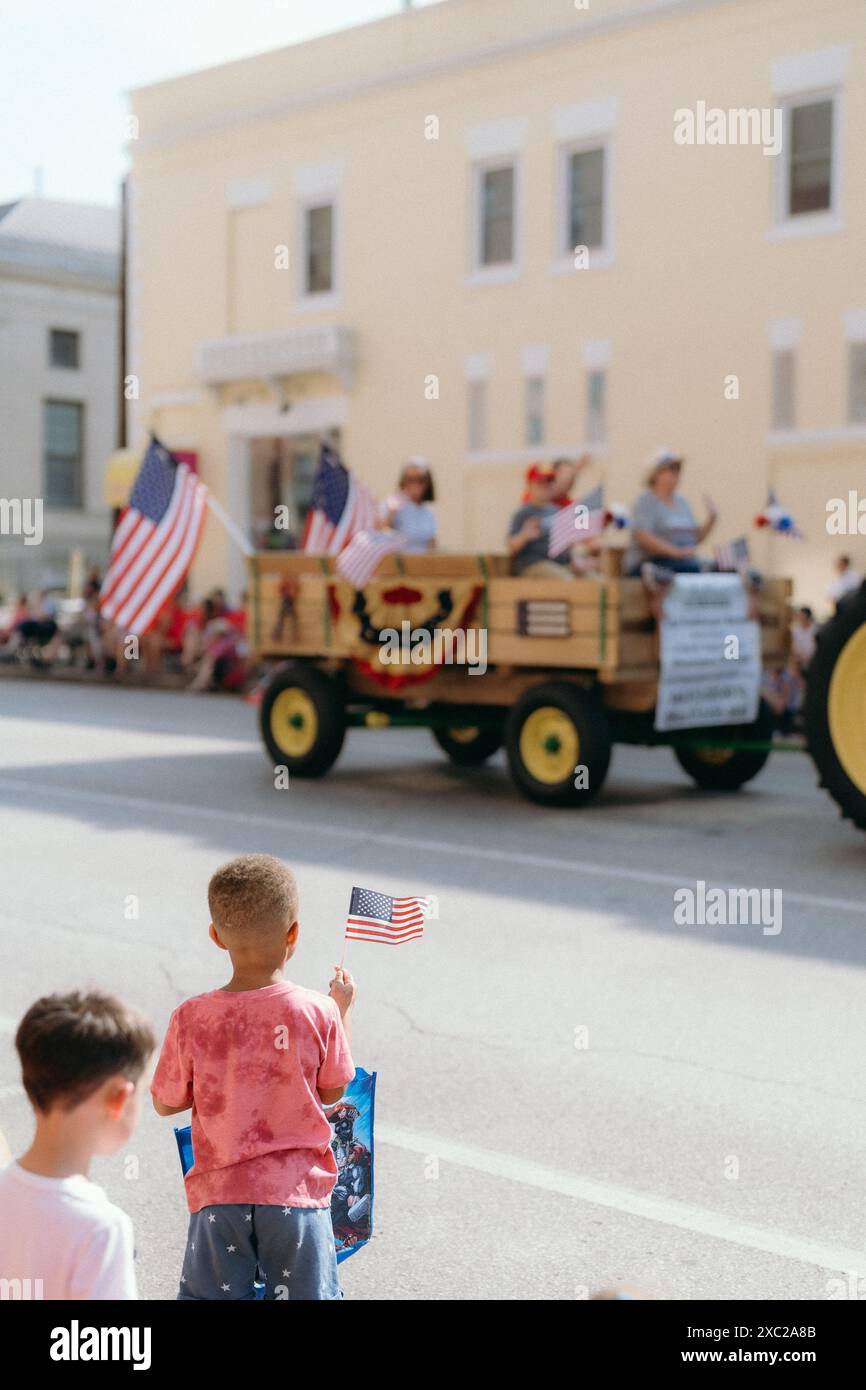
720, 769
558, 743
835, 709
469, 746
303, 721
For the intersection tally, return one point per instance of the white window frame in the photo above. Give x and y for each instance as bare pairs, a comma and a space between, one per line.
777, 354
787, 224
476, 370
476, 414
800, 79
316, 186
599, 256
507, 271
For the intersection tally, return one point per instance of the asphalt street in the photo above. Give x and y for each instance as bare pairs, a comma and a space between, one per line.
574, 1090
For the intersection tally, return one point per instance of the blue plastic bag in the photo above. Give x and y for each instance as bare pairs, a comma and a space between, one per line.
351, 1121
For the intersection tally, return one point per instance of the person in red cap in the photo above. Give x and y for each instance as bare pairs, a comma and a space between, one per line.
530, 528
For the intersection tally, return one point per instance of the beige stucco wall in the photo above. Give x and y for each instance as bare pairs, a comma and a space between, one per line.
686, 301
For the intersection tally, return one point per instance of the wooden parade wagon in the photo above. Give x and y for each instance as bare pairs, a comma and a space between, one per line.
572, 667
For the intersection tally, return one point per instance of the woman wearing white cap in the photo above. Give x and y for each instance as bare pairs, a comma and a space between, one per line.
409, 510
664, 529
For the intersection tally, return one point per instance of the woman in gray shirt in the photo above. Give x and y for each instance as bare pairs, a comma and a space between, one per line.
664, 529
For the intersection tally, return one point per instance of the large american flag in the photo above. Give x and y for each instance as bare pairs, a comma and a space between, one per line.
361, 556
154, 542
340, 507
377, 917
581, 521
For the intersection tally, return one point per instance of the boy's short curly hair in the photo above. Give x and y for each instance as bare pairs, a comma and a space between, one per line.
70, 1043
252, 894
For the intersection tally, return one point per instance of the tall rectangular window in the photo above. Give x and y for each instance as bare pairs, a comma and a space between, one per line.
783, 412
584, 202
476, 415
63, 348
857, 383
534, 420
496, 216
63, 442
810, 158
596, 407
319, 249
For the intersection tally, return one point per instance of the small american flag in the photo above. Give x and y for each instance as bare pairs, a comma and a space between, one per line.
361, 556
732, 556
339, 507
155, 541
376, 917
582, 521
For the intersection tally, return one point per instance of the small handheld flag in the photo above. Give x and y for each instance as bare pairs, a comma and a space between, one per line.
732, 556
378, 917
582, 521
361, 556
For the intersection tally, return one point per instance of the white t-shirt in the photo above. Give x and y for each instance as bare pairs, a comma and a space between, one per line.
847, 582
64, 1237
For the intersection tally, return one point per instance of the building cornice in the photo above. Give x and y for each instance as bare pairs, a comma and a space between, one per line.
590, 27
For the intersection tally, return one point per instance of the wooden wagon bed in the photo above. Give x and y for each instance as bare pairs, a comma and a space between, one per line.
599, 628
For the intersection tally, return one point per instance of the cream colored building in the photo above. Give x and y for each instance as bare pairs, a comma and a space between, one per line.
378, 233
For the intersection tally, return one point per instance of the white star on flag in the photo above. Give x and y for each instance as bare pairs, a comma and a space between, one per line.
378, 917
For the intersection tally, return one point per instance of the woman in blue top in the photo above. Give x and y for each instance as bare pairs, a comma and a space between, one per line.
409, 510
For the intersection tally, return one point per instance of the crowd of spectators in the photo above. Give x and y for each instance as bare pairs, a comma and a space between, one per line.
204, 642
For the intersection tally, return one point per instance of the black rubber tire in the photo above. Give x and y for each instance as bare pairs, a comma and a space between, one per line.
743, 764
586, 712
327, 698
832, 637
488, 740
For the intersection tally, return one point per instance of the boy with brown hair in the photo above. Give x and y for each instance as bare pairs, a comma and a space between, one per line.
83, 1057
257, 1060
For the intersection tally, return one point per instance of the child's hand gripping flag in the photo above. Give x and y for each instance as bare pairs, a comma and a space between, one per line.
378, 917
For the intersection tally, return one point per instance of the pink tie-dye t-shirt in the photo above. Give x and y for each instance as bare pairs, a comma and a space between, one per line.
251, 1062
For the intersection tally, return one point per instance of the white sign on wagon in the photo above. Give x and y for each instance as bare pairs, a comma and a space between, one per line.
710, 655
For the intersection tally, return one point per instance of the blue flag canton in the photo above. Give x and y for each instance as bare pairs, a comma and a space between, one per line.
331, 485
366, 903
154, 485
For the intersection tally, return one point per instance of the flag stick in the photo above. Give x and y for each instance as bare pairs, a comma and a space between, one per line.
231, 528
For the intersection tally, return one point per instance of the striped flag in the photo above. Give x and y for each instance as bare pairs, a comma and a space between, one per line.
732, 556
340, 507
376, 917
361, 556
581, 521
155, 541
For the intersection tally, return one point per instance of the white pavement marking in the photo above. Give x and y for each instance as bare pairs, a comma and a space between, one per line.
664, 1210
416, 842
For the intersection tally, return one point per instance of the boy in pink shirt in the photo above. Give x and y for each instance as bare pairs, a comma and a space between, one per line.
256, 1061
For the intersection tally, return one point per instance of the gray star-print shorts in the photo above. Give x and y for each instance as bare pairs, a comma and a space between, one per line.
249, 1252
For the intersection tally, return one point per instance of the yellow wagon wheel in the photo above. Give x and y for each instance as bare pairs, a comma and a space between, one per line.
835, 709
846, 708
558, 742
294, 722
302, 720
717, 768
469, 745
549, 745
